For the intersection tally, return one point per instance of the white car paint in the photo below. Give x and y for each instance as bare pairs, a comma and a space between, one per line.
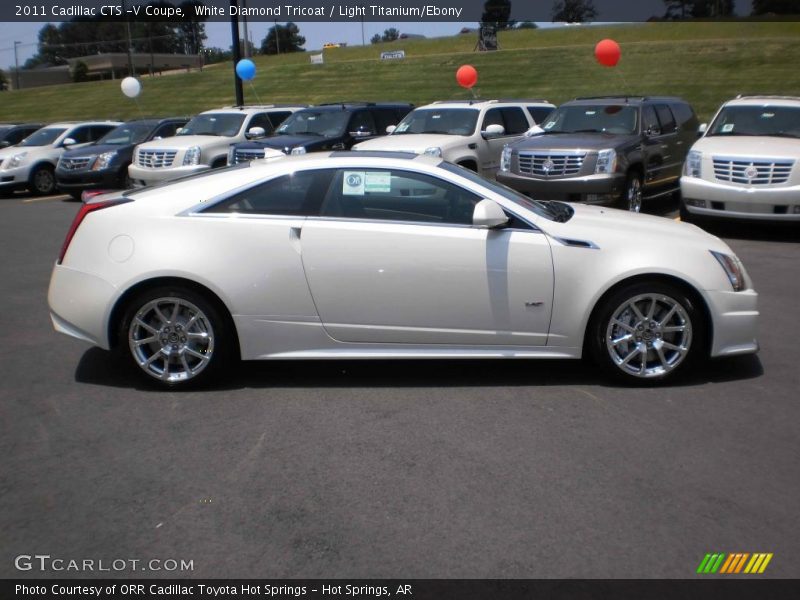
334, 287
712, 195
475, 147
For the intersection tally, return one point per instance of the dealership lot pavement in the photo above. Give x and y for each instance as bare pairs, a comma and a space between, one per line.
394, 469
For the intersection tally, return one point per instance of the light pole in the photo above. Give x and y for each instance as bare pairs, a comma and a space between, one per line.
16, 66
236, 51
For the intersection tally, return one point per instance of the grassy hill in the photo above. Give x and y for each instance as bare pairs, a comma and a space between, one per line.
706, 63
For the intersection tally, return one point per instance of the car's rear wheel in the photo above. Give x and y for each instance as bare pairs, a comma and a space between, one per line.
176, 337
647, 332
43, 180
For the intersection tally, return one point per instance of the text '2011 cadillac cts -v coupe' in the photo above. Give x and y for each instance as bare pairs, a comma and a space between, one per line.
390, 255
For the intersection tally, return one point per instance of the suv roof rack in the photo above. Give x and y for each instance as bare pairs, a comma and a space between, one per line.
248, 106
627, 97
770, 96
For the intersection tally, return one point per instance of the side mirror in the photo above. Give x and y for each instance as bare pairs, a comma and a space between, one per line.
533, 131
179, 130
255, 132
69, 142
158, 137
391, 128
488, 214
493, 131
702, 129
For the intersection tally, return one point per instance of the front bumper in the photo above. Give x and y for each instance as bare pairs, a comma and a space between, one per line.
588, 188
80, 304
735, 319
77, 181
141, 176
716, 199
16, 178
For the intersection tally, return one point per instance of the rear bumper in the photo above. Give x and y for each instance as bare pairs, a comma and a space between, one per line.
599, 188
142, 176
80, 304
735, 318
712, 199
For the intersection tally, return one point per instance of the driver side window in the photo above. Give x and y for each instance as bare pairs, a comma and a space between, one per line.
650, 125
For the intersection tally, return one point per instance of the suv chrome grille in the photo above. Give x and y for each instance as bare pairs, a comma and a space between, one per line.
550, 164
155, 159
756, 172
75, 164
241, 156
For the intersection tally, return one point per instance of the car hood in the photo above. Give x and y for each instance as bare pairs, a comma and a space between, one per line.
181, 142
285, 143
610, 227
95, 149
574, 141
411, 142
747, 146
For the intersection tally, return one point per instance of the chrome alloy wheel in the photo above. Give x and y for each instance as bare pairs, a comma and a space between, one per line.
649, 335
633, 195
171, 339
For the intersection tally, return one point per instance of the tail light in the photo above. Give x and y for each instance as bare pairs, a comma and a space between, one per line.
85, 210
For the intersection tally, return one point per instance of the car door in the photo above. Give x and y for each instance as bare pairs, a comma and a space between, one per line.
361, 127
514, 123
393, 258
671, 145
653, 148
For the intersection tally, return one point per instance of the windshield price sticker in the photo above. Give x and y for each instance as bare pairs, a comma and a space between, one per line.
378, 182
727, 128
353, 183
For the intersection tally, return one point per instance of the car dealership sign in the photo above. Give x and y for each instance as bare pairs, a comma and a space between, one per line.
393, 55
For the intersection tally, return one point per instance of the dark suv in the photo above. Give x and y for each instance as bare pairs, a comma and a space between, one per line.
325, 127
12, 134
604, 150
104, 164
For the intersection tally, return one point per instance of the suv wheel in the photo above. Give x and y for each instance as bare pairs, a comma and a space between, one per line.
632, 198
43, 180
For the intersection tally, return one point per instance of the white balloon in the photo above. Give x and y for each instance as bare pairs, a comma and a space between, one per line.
131, 87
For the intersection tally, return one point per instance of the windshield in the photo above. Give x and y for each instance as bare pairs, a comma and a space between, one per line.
129, 133
449, 121
594, 118
222, 124
43, 137
327, 123
781, 121
554, 211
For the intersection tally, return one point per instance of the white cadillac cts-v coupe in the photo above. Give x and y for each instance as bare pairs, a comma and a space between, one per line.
389, 255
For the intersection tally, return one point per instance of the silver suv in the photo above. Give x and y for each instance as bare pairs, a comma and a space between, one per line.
31, 164
204, 141
745, 166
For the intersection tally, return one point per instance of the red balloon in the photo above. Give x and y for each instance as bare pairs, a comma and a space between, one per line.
607, 52
466, 76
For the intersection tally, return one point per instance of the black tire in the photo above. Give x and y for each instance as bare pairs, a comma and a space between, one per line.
220, 163
75, 196
43, 180
125, 182
631, 199
468, 164
641, 361
212, 354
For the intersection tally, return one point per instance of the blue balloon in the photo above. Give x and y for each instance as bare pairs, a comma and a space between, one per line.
246, 69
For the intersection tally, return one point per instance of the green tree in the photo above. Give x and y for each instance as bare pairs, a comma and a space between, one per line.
574, 11
376, 39
497, 12
390, 35
285, 38
80, 72
527, 25
777, 7
3, 81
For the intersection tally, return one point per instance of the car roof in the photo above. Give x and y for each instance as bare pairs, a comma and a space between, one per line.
68, 124
626, 99
251, 108
479, 103
332, 106
760, 100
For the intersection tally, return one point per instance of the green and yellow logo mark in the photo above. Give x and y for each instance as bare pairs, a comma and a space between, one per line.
737, 562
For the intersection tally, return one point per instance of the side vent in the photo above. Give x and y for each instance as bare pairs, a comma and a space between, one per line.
578, 243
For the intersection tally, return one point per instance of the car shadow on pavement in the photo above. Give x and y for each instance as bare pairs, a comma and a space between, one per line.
99, 367
755, 231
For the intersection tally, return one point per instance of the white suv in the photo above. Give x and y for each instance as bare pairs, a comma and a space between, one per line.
204, 141
469, 133
745, 165
31, 164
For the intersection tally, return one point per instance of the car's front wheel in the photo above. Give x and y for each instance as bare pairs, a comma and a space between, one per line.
175, 336
647, 332
632, 197
43, 180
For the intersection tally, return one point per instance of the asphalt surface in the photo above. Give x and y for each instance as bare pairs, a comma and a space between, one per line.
476, 469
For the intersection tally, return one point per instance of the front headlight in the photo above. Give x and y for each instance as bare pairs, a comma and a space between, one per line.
733, 269
17, 160
693, 161
103, 160
192, 156
505, 159
606, 161
433, 151
297, 151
